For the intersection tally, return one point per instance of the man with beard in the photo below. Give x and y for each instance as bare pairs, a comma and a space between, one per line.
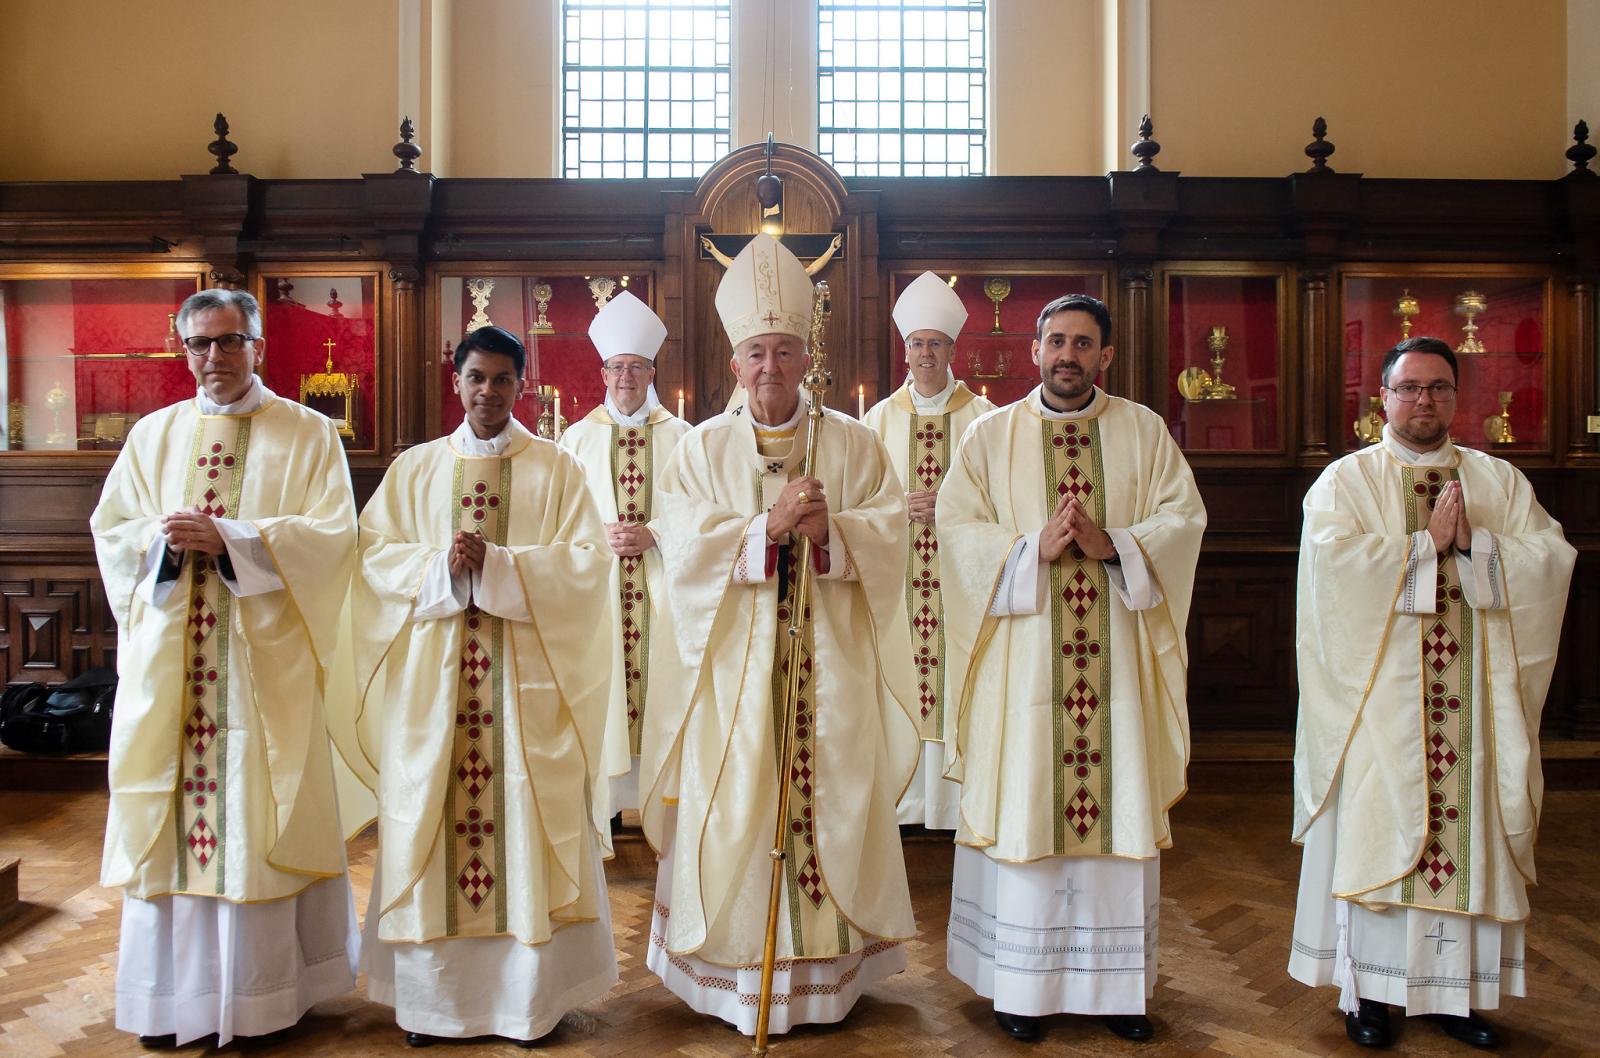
1432, 587
1069, 526
921, 424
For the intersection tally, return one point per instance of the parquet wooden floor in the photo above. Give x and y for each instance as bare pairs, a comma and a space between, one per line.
1228, 893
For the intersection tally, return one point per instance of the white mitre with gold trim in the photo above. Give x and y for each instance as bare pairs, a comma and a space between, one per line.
765, 291
627, 325
928, 304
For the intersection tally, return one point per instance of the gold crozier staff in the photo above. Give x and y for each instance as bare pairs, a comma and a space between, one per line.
816, 381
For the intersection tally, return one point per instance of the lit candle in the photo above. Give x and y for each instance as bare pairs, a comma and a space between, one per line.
985, 392
861, 401
556, 427
680, 403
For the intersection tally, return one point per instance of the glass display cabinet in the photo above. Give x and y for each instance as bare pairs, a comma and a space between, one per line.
321, 326
83, 354
994, 353
1496, 319
1223, 334
551, 313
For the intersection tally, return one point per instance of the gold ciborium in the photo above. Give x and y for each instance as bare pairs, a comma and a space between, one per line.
997, 289
547, 426
1470, 305
1406, 307
1369, 426
1497, 428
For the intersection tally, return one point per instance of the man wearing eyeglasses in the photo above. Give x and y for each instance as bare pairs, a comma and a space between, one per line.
920, 424
225, 535
624, 445
1432, 586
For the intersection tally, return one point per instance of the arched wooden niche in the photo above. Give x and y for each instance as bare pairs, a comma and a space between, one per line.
815, 203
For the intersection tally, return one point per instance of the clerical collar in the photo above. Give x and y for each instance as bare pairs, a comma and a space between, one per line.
787, 427
933, 405
1443, 456
470, 444
1094, 406
638, 418
254, 397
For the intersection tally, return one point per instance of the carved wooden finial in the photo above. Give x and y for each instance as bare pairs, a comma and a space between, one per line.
221, 149
1319, 149
405, 150
1582, 151
1146, 149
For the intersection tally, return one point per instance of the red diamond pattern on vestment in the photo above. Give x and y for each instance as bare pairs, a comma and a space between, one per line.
631, 479
1075, 483
1441, 756
925, 544
202, 841
1436, 867
475, 881
474, 662
802, 770
1439, 647
1080, 593
202, 619
925, 623
474, 773
1081, 703
1083, 811
199, 730
212, 505
810, 880
928, 472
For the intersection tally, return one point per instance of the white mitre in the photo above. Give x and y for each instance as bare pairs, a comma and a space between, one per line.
627, 325
929, 304
765, 291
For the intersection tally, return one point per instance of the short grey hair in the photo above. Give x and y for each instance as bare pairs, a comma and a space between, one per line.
220, 298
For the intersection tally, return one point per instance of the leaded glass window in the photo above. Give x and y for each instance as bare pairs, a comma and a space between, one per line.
645, 87
901, 87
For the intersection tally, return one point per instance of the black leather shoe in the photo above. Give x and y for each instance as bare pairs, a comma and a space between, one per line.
420, 1039
159, 1043
1472, 1029
1018, 1026
1130, 1026
1369, 1026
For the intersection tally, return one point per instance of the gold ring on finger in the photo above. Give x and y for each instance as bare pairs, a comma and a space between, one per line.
804, 498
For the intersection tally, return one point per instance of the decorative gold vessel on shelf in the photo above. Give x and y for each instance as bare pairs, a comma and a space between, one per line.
997, 289
479, 290
330, 385
1497, 428
1197, 384
1369, 426
1406, 307
547, 425
16, 423
542, 293
1470, 305
602, 289
56, 400
1002, 364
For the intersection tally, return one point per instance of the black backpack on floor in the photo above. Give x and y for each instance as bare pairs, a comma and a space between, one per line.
73, 718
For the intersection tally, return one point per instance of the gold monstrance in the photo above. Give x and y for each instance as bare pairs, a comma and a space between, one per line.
998, 288
542, 293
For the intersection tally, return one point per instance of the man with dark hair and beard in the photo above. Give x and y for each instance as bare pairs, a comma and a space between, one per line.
1070, 526
1432, 587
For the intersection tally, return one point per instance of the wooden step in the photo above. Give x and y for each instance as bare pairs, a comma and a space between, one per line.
8, 887
38, 771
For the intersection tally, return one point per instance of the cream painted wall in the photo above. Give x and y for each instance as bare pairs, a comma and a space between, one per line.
111, 90
1436, 88
103, 89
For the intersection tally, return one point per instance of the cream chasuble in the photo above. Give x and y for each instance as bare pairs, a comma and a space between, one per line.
1422, 679
486, 780
1103, 723
621, 465
220, 774
711, 751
